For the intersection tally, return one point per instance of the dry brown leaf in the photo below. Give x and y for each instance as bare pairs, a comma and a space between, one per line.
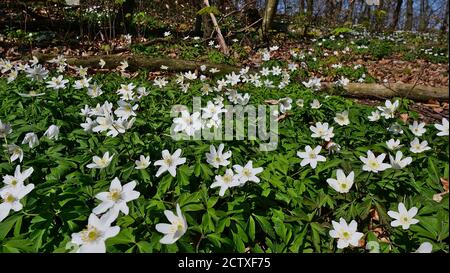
444, 183
378, 231
374, 215
282, 117
362, 242
438, 196
273, 102
404, 117
431, 101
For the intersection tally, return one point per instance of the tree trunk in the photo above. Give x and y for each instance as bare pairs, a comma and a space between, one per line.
250, 4
301, 6
309, 9
444, 26
350, 11
339, 9
198, 18
396, 16
222, 43
331, 14
409, 15
127, 15
423, 16
365, 14
269, 12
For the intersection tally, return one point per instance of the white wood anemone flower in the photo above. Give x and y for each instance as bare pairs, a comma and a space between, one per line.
52, 132
31, 139
403, 217
226, 181
346, 233
443, 128
393, 144
425, 247
117, 197
175, 230
98, 230
374, 164
418, 147
399, 162
11, 199
247, 173
142, 163
342, 183
217, 158
169, 162
311, 156
100, 163
16, 181
418, 129
321, 130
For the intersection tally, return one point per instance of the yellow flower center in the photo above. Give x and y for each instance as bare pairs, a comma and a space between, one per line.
90, 234
103, 162
374, 164
345, 234
114, 195
178, 226
9, 198
246, 172
168, 161
227, 179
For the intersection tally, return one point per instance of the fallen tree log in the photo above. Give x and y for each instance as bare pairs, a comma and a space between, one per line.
136, 62
358, 90
404, 90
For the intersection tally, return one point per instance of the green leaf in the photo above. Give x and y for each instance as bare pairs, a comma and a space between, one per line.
144, 247
316, 230
211, 9
125, 236
165, 183
183, 175
251, 228
433, 172
212, 201
238, 244
7, 225
298, 240
265, 225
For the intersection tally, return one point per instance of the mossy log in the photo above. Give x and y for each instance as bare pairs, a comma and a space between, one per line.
360, 90
136, 62
383, 91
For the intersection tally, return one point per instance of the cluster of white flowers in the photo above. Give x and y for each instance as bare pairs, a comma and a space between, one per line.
60, 62
237, 176
34, 71
30, 138
102, 118
92, 239
14, 190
